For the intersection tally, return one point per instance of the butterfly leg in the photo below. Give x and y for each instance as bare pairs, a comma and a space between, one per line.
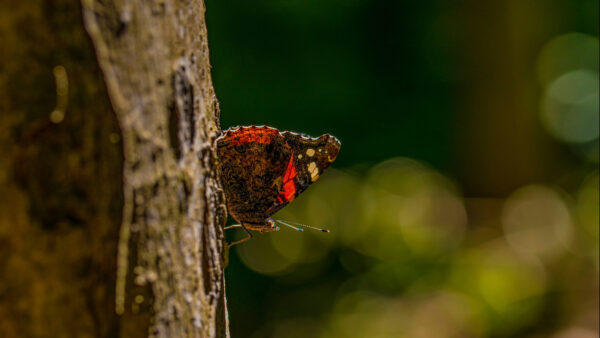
232, 226
229, 245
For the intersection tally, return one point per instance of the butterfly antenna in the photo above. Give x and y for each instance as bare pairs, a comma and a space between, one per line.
302, 225
291, 226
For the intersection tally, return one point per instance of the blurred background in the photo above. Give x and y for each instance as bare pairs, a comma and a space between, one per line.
464, 201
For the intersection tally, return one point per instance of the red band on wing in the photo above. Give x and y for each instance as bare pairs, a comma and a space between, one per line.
289, 187
247, 135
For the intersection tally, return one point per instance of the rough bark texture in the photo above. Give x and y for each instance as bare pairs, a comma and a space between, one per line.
67, 160
154, 56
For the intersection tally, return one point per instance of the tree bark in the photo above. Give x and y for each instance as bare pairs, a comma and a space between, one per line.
81, 178
155, 60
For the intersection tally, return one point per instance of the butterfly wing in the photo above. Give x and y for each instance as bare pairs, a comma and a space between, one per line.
253, 160
311, 156
262, 169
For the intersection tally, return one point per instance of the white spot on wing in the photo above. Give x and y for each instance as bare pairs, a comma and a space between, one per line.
313, 170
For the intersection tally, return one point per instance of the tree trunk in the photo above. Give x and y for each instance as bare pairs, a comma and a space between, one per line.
74, 189
156, 65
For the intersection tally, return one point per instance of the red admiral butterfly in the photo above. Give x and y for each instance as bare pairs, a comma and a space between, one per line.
263, 169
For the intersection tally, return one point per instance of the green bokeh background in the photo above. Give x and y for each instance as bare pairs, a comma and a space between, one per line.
456, 163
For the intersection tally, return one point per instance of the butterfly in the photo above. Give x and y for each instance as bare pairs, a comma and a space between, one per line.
263, 169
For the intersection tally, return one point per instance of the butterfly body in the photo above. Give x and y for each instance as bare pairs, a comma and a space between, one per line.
263, 169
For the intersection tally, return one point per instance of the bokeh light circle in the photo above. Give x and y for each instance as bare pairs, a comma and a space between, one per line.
570, 107
536, 220
566, 53
567, 69
259, 254
508, 286
410, 208
588, 216
439, 314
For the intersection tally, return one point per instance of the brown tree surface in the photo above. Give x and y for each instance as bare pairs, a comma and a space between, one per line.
83, 177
